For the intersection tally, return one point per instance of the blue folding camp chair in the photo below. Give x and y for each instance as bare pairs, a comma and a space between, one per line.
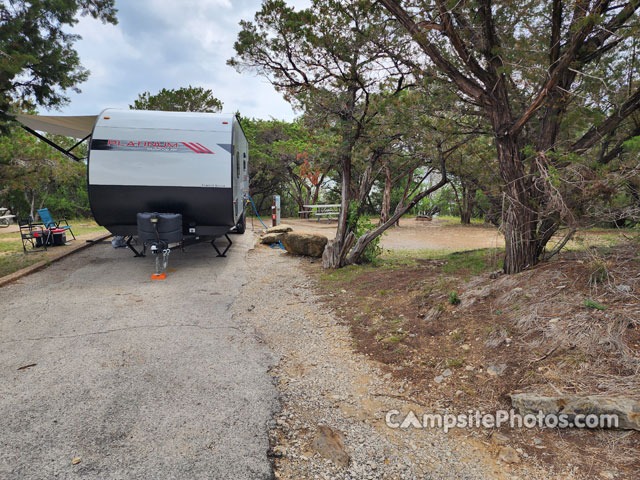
53, 226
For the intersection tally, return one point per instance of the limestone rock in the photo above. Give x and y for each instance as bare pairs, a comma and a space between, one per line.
508, 455
304, 243
627, 410
496, 370
279, 229
329, 443
270, 238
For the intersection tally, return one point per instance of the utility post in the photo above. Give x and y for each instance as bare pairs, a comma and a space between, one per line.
275, 211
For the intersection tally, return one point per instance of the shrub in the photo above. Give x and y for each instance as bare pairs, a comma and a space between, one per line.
593, 304
454, 299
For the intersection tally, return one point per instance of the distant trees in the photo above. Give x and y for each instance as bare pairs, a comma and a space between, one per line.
185, 99
33, 175
289, 158
37, 61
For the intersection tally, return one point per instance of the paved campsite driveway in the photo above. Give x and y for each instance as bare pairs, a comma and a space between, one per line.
139, 379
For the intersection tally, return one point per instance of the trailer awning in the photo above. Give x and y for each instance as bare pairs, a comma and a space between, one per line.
76, 126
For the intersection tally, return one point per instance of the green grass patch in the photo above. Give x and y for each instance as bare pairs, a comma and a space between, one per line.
473, 261
455, 363
470, 262
393, 339
11, 247
13, 263
453, 220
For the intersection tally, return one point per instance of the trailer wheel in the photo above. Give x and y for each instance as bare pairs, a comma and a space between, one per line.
241, 226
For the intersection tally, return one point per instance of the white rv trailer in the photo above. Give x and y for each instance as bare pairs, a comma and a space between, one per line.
191, 164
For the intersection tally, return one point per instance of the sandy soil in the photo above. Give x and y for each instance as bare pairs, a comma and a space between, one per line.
416, 235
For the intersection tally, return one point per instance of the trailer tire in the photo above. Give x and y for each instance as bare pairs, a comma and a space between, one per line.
241, 226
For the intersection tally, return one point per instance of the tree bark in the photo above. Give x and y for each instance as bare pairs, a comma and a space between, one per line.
364, 241
519, 218
386, 196
336, 250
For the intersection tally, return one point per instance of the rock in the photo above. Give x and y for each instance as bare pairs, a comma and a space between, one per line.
329, 443
607, 475
623, 288
554, 320
447, 373
439, 379
469, 368
304, 243
465, 347
279, 229
496, 274
626, 410
499, 439
270, 238
496, 370
76, 461
508, 455
279, 451
537, 441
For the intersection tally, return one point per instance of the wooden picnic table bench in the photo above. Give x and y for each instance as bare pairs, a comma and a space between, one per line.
328, 211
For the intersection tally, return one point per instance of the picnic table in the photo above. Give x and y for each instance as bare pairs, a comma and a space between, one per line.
5, 220
328, 211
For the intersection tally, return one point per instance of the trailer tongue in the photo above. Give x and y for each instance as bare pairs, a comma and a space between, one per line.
169, 179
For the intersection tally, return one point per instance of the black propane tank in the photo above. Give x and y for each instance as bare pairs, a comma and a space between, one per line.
159, 228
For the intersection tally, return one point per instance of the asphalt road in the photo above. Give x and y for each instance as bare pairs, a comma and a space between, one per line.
137, 378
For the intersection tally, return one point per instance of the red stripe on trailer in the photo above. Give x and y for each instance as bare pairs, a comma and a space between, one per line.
206, 150
196, 147
190, 147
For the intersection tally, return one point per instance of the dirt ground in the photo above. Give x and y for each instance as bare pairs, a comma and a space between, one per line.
415, 235
538, 324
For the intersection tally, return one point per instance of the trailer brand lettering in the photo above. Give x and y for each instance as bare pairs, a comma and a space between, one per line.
149, 146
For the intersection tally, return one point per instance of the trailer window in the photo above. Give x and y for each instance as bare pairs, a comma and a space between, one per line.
238, 164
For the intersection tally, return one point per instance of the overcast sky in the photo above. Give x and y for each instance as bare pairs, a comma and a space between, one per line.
170, 44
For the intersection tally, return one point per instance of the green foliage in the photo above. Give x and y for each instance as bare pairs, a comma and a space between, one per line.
34, 175
360, 225
454, 299
185, 99
589, 303
38, 63
279, 152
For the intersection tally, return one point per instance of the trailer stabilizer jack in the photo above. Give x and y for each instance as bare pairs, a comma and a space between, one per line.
223, 254
132, 248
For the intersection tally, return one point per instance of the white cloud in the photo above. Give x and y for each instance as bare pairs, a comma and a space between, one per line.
171, 44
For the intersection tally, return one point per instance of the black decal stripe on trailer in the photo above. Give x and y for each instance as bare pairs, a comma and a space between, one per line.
118, 204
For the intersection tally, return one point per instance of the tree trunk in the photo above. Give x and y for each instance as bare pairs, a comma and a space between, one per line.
336, 250
365, 240
519, 218
386, 196
467, 205
31, 200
